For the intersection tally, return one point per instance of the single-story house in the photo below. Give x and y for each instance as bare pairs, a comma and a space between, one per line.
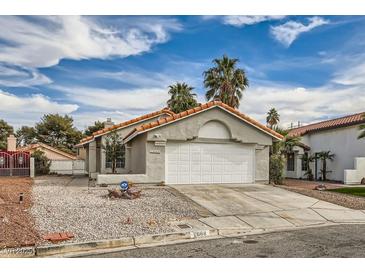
50, 152
61, 161
211, 143
340, 137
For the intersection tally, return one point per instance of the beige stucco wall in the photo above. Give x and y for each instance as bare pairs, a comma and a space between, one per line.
81, 153
50, 154
138, 155
262, 163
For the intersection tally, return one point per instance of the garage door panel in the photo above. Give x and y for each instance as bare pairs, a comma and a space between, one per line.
217, 168
209, 163
195, 168
196, 178
206, 178
205, 157
205, 168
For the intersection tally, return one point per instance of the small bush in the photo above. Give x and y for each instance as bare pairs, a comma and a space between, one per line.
41, 162
276, 169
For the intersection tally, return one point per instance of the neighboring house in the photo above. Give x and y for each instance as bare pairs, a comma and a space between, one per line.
61, 162
340, 137
211, 143
50, 152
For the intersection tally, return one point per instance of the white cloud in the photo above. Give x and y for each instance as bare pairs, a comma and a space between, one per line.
143, 99
154, 79
306, 105
18, 76
86, 118
26, 110
44, 41
36, 103
243, 20
352, 75
151, 79
289, 31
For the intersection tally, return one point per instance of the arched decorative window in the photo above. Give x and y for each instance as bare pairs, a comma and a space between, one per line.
214, 130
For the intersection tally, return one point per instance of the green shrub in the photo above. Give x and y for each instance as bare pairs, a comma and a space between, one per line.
41, 163
276, 169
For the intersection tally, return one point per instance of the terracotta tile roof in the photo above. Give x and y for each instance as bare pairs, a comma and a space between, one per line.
349, 120
124, 124
198, 109
39, 144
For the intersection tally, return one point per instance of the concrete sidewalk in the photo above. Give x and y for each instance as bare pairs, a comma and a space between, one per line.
244, 208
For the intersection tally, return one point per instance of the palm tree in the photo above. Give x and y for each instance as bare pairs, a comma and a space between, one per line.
181, 97
272, 118
225, 82
324, 156
362, 128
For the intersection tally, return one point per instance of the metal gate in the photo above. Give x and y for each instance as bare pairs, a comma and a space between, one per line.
14, 163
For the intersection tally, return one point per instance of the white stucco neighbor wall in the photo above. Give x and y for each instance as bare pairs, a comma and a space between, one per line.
343, 143
354, 176
297, 172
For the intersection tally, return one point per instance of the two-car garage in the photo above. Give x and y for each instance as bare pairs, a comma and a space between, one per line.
209, 163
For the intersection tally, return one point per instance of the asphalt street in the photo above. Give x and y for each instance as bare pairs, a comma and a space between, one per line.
329, 241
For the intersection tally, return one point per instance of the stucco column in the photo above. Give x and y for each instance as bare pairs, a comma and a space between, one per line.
11, 141
31, 168
92, 159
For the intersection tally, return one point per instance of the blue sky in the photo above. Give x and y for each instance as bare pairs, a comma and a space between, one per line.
308, 67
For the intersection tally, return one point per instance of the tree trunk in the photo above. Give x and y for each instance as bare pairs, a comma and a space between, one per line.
324, 169
113, 166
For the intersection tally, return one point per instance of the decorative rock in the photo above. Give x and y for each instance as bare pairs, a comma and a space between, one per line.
320, 187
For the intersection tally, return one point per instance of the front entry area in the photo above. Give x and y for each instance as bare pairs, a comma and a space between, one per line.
209, 163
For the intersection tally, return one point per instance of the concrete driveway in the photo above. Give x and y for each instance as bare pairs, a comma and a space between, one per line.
260, 206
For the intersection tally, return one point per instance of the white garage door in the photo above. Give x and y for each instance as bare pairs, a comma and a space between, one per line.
203, 163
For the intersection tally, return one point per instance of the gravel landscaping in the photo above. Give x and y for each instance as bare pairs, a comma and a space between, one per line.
60, 205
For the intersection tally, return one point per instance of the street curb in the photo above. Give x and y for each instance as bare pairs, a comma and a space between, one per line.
54, 250
44, 251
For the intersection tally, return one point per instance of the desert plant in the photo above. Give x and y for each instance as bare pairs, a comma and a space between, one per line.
285, 145
276, 170
324, 156
307, 160
41, 162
